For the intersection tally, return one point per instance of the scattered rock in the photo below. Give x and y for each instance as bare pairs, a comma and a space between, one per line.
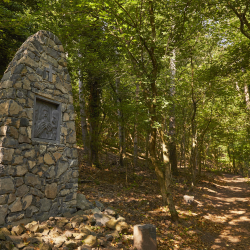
44, 246
82, 203
101, 219
99, 205
109, 237
17, 230
90, 240
110, 211
83, 230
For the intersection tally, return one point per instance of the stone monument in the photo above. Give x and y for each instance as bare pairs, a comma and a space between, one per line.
38, 158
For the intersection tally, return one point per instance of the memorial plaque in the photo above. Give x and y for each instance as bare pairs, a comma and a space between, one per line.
46, 120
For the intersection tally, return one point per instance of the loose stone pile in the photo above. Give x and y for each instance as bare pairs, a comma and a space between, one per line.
38, 158
92, 228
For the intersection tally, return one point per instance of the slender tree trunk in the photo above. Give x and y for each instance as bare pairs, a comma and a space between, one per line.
166, 162
135, 130
85, 136
247, 99
172, 132
246, 92
147, 147
201, 157
164, 177
201, 146
194, 133
193, 145
94, 119
184, 150
121, 130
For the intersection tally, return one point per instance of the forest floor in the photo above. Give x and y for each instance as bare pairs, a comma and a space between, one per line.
219, 217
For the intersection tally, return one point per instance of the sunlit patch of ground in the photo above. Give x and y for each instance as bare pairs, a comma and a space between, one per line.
219, 218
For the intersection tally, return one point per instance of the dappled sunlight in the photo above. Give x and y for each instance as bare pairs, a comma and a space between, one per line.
239, 220
217, 219
238, 212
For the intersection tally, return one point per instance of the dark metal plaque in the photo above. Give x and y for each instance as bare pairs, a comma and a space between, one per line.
46, 120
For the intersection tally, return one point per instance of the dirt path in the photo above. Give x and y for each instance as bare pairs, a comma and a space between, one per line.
226, 202
220, 218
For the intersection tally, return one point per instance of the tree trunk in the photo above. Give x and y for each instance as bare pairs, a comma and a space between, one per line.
135, 130
172, 132
247, 100
201, 157
193, 148
94, 119
85, 136
121, 130
164, 176
169, 196
193, 131
147, 147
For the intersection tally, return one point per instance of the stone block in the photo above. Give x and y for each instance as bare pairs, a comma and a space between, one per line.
27, 200
2, 170
6, 155
4, 108
30, 154
31, 210
10, 142
51, 173
21, 170
19, 181
31, 164
51, 190
24, 122
36, 192
22, 190
32, 180
11, 198
13, 132
15, 217
71, 138
83, 203
3, 213
16, 206
145, 237
18, 160
48, 159
61, 168
3, 130
23, 139
3, 199
6, 185
15, 108
64, 178
57, 155
45, 205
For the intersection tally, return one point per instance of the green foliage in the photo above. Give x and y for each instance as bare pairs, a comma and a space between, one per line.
133, 41
15, 26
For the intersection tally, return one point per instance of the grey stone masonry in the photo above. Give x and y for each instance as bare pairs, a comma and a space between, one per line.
38, 155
